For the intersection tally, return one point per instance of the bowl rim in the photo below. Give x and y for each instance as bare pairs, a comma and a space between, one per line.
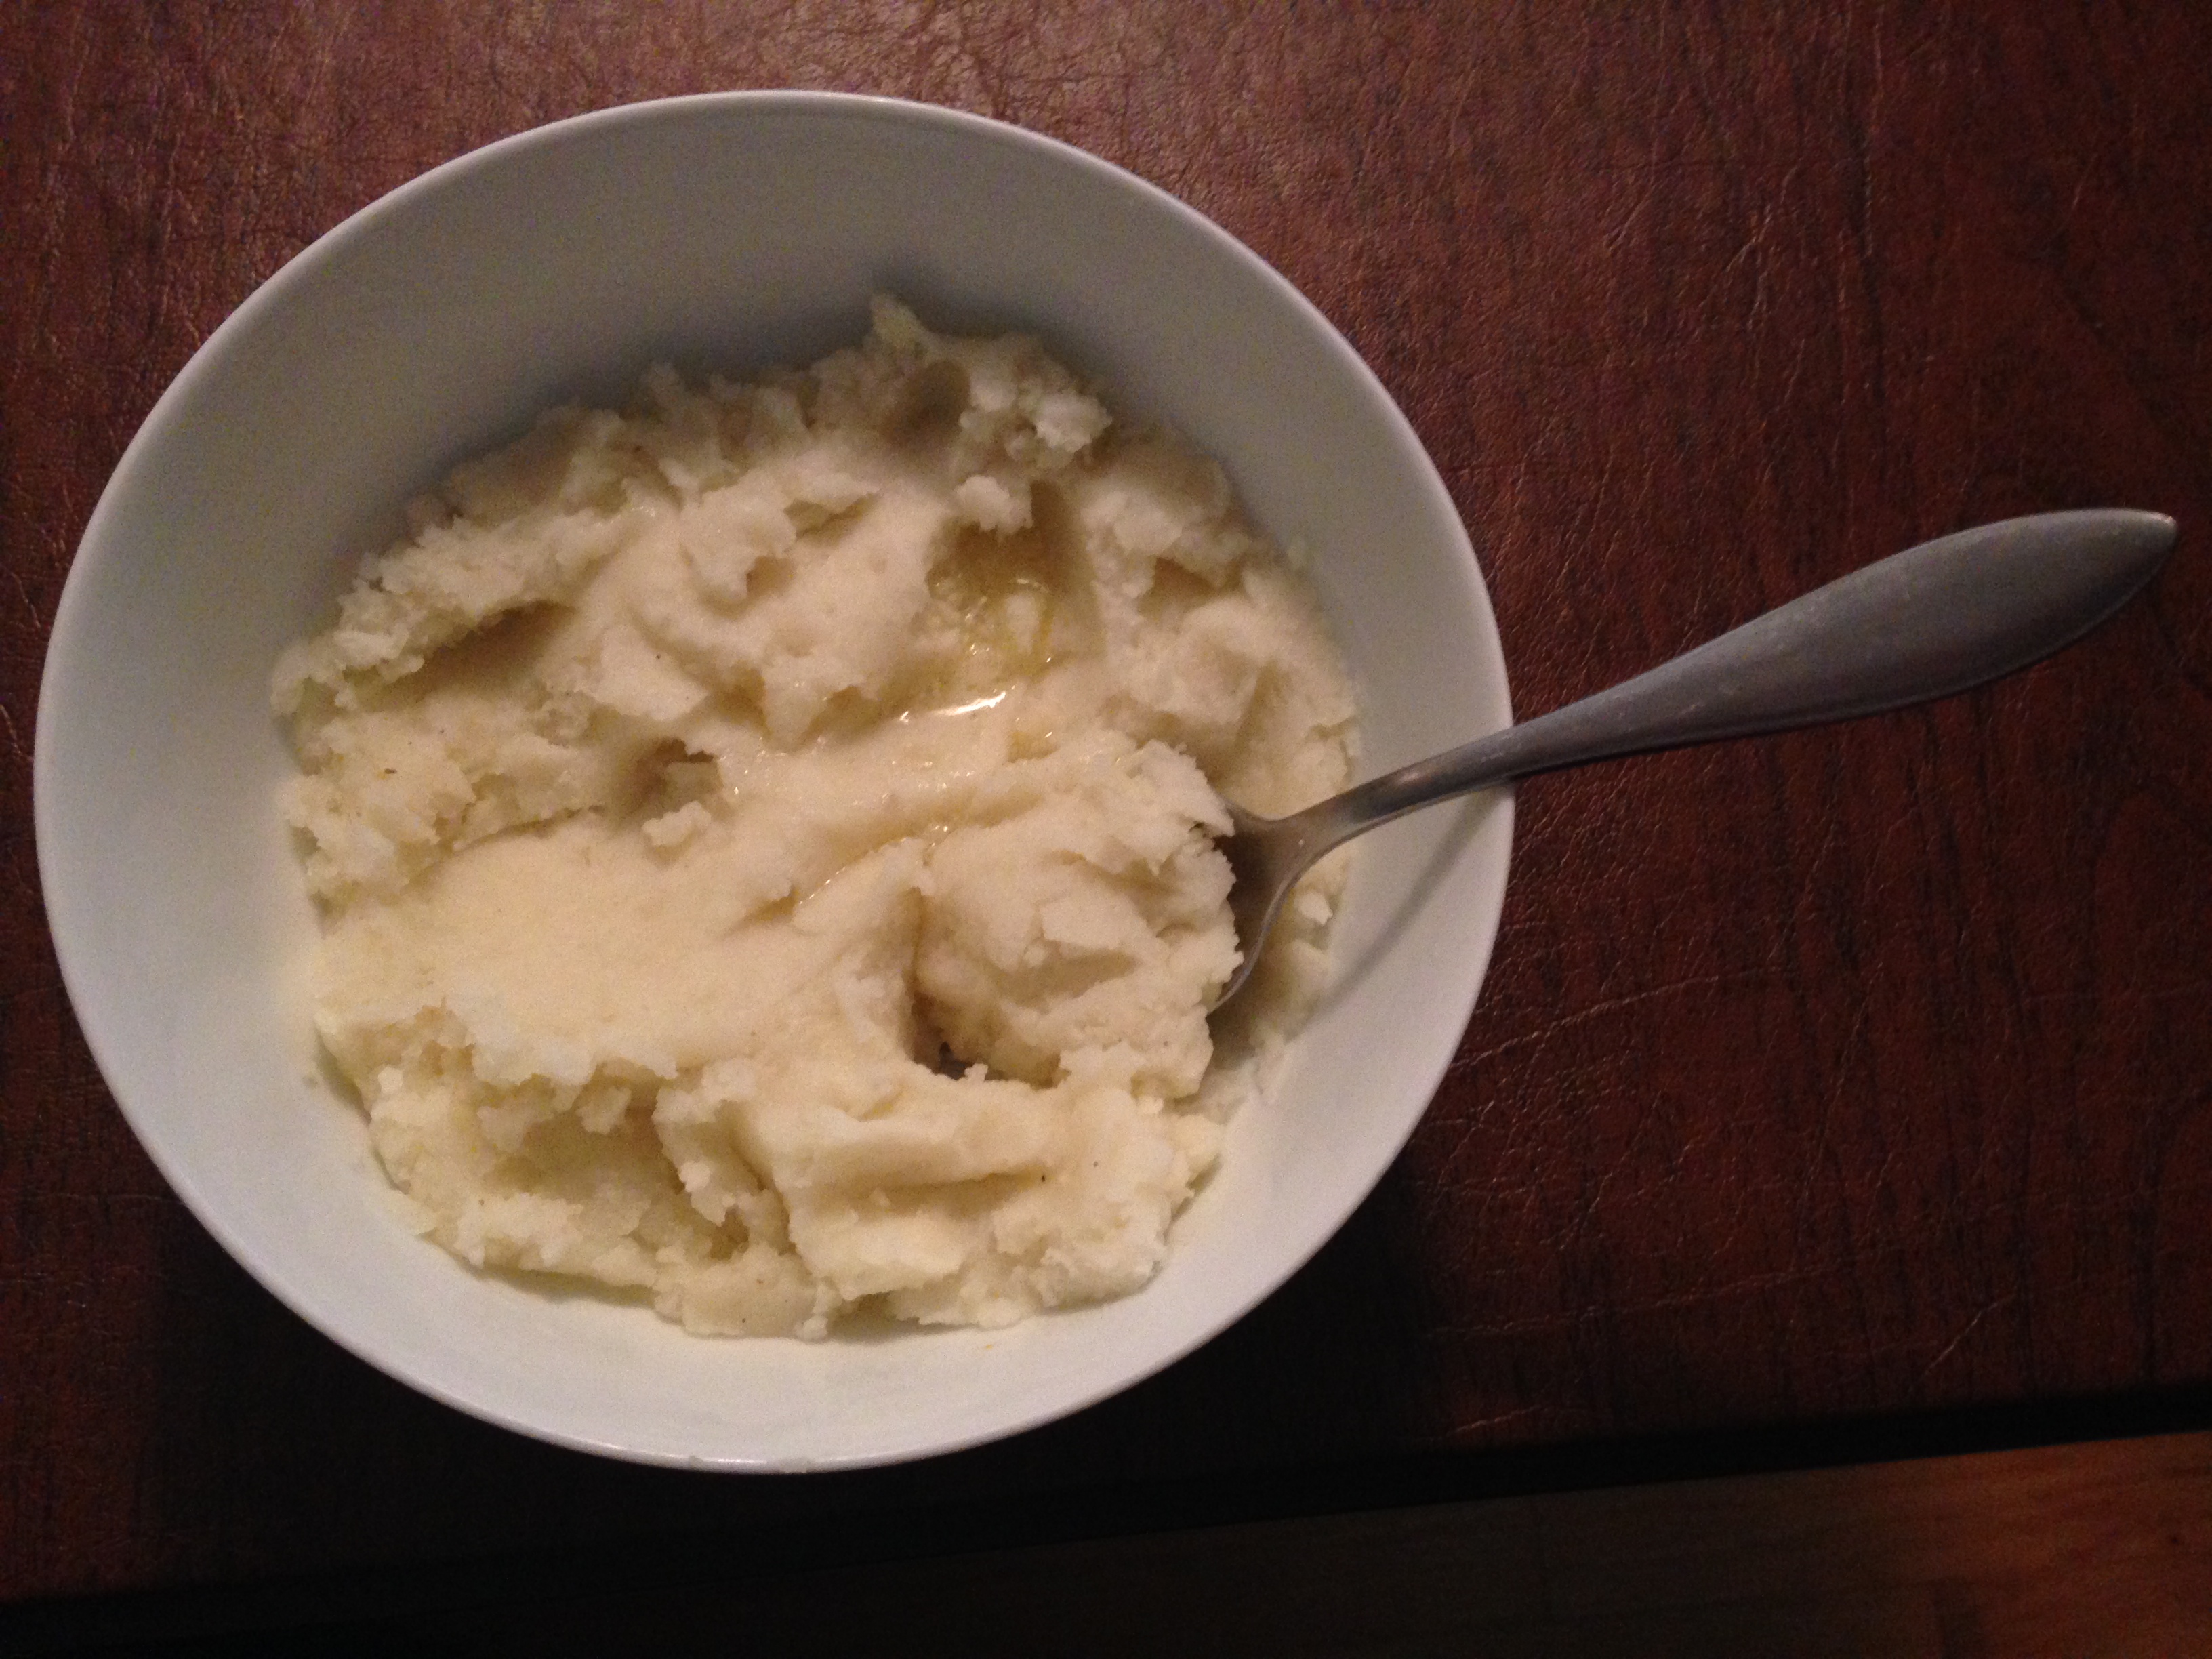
68, 641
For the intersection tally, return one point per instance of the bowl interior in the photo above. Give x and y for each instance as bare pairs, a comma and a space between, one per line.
728, 232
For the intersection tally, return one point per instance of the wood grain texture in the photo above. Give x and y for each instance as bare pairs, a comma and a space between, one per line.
1855, 1072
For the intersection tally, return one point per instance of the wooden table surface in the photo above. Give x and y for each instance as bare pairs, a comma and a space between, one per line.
1859, 1073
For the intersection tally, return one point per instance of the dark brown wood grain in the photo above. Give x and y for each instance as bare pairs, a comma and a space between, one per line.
1859, 1072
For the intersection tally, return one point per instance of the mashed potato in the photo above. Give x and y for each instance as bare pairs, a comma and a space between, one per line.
764, 839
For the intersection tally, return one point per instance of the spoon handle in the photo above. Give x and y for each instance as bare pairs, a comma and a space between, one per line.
1934, 619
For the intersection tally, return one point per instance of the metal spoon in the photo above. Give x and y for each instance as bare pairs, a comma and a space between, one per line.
1934, 619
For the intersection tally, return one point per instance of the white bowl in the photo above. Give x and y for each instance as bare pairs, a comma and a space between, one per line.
732, 231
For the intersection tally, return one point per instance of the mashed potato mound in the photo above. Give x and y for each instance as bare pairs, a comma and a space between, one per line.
764, 838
